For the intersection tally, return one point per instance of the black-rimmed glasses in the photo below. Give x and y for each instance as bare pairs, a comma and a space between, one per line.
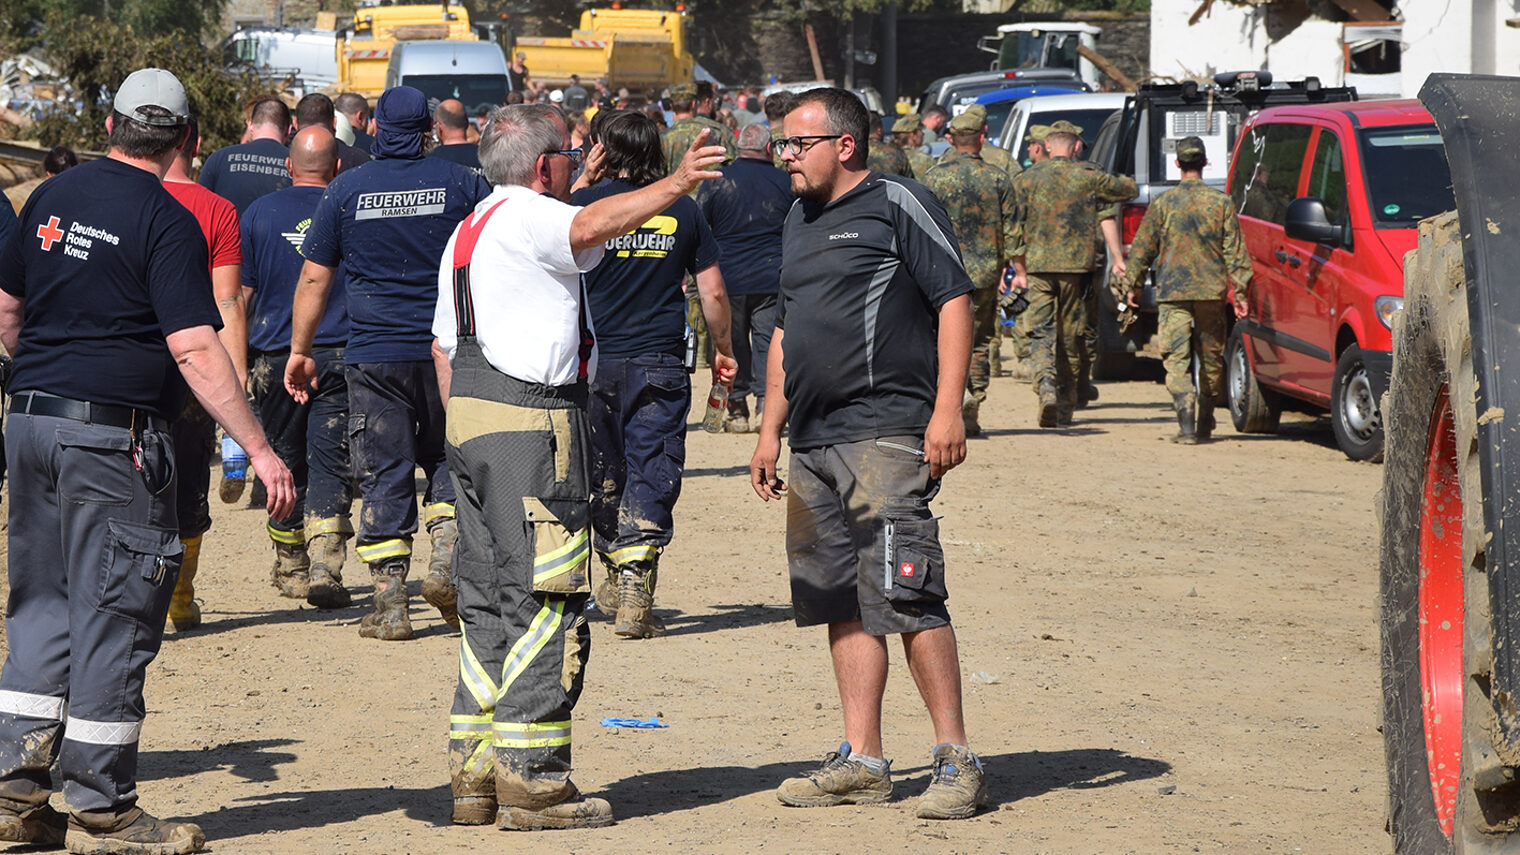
797, 145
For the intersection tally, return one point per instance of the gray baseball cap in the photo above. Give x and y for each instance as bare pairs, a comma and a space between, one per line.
153, 87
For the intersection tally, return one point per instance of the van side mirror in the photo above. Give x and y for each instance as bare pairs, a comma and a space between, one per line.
1306, 220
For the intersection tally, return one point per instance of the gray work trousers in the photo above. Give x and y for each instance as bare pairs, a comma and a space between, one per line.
519, 454
94, 555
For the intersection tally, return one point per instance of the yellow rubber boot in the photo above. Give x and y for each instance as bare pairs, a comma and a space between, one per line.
184, 613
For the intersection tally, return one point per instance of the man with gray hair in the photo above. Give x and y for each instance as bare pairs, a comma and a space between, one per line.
514, 351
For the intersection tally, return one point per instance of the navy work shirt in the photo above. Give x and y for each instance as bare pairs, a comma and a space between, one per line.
387, 222
244, 172
107, 265
746, 208
637, 305
273, 228
464, 154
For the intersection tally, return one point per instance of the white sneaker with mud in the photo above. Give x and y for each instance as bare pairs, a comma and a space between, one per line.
841, 781
957, 788
142, 833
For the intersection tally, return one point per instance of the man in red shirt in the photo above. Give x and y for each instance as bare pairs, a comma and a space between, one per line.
194, 431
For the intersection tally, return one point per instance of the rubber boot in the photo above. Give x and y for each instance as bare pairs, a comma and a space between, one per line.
1050, 404
292, 570
389, 621
184, 612
438, 587
1187, 432
1206, 423
325, 591
635, 616
970, 412
607, 593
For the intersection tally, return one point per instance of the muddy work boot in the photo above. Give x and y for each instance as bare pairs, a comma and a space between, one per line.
1086, 394
1066, 413
971, 409
389, 621
40, 825
1206, 423
325, 590
957, 788
130, 832
577, 811
1187, 426
438, 587
841, 781
292, 570
184, 612
1050, 404
738, 420
607, 593
635, 614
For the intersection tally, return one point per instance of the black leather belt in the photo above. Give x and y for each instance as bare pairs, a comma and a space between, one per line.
38, 404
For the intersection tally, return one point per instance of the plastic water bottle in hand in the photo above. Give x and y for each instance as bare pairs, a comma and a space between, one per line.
717, 409
234, 470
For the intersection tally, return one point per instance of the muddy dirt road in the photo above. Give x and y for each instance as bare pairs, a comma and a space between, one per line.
1164, 649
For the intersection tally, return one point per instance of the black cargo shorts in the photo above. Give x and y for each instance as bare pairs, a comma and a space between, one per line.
861, 542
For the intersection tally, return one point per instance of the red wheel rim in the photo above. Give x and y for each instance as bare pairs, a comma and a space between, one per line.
1441, 609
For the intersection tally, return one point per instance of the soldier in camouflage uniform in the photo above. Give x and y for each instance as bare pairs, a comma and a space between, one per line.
979, 199
1023, 369
990, 153
1105, 236
908, 135
1057, 199
692, 105
777, 105
1191, 236
883, 156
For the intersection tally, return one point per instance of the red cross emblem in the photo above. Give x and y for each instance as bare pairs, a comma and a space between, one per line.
49, 234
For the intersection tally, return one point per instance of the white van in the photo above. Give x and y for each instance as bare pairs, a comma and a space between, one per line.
307, 55
474, 73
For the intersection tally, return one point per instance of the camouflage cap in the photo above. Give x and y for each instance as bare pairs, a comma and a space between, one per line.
1061, 126
908, 124
972, 120
684, 91
1037, 133
1191, 149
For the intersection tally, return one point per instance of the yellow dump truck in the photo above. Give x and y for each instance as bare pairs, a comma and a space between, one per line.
636, 48
364, 49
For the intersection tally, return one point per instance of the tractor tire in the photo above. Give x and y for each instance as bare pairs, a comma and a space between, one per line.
1252, 408
1448, 792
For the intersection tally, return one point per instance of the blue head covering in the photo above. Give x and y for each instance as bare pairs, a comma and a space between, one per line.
401, 122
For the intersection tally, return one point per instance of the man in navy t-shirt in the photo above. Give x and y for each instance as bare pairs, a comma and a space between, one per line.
108, 284
746, 208
312, 438
641, 393
452, 127
387, 223
244, 172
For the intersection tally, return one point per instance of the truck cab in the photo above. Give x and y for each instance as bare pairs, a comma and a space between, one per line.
364, 47
1051, 44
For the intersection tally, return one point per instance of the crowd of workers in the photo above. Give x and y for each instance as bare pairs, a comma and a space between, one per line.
515, 305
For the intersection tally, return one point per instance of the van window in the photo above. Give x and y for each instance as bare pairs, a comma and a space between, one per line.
1266, 173
1407, 175
1327, 176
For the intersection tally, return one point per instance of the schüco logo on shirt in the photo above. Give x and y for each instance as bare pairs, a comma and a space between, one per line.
299, 235
405, 203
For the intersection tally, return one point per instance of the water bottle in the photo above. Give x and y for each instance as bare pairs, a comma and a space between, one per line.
234, 470
717, 409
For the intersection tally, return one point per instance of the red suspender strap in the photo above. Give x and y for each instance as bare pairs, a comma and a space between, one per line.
464, 250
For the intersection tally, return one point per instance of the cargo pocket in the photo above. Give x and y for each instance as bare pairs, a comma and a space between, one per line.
139, 569
559, 533
95, 466
914, 570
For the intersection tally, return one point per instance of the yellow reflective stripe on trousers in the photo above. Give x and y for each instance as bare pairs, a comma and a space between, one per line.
545, 624
293, 538
629, 554
330, 525
553, 563
545, 734
470, 726
437, 511
393, 548
482, 687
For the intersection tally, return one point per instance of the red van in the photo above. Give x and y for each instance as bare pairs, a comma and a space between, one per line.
1329, 197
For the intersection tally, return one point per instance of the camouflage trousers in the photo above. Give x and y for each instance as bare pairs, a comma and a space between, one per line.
1055, 329
1090, 308
1193, 328
984, 330
1019, 335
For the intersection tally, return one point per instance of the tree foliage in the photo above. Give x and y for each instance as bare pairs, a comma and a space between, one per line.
22, 22
94, 56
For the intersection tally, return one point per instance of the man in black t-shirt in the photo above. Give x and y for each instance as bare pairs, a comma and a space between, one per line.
244, 172
869, 359
317, 109
105, 299
452, 127
641, 394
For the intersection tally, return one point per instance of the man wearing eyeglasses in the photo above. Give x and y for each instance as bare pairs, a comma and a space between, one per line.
387, 222
514, 357
869, 361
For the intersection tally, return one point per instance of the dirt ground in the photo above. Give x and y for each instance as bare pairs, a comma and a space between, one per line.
1164, 649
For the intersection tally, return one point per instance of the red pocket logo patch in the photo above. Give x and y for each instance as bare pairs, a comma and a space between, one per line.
906, 569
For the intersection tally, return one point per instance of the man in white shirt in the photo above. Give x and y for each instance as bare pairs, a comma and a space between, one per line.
514, 350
